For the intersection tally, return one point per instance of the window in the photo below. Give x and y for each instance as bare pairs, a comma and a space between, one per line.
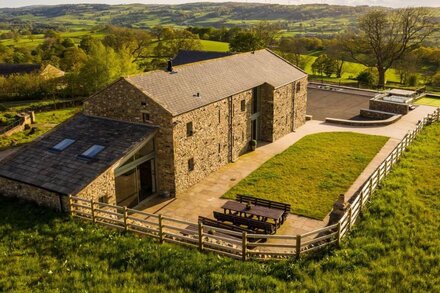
103, 199
64, 144
146, 117
191, 164
92, 151
254, 100
243, 105
219, 148
298, 87
189, 129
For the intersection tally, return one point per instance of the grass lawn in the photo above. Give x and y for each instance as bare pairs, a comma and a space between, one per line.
428, 101
45, 121
312, 173
214, 46
394, 248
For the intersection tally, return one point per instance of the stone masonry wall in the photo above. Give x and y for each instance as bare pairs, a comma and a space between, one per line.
104, 185
209, 145
283, 111
267, 110
12, 188
300, 106
386, 106
123, 101
289, 108
241, 124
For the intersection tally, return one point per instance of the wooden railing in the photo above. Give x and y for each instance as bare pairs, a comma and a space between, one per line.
242, 245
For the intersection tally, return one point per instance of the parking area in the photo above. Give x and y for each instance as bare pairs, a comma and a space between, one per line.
336, 102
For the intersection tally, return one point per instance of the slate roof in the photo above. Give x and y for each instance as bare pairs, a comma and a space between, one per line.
8, 69
214, 79
187, 56
65, 173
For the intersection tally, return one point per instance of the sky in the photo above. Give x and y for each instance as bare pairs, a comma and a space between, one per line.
388, 3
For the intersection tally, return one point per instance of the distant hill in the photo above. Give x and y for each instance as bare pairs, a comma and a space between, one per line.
314, 19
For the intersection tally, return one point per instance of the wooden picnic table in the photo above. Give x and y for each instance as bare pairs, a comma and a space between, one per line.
262, 213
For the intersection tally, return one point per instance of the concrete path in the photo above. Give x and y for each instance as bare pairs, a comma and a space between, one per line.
204, 198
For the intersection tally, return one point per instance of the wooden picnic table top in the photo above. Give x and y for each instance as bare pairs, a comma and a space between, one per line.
260, 211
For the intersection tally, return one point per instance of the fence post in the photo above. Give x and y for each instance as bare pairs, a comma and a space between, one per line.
70, 205
160, 229
371, 186
362, 201
200, 236
385, 172
92, 205
125, 218
349, 218
298, 246
338, 242
244, 246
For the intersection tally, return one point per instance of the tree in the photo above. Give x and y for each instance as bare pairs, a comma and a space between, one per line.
334, 50
324, 65
386, 36
103, 66
245, 42
294, 46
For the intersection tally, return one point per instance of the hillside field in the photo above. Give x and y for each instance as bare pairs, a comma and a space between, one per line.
394, 248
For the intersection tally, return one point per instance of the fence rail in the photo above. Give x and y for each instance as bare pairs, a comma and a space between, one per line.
236, 244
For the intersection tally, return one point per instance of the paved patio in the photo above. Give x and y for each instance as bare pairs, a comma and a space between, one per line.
203, 198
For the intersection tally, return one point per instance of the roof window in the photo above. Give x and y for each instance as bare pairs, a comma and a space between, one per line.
61, 146
92, 152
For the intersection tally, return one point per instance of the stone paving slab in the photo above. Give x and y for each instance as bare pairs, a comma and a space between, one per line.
204, 198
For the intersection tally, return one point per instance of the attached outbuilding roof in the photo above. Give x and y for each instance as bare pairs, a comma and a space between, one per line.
198, 84
188, 56
98, 143
8, 69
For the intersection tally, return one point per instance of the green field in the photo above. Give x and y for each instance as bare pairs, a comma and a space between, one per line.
394, 248
214, 46
45, 121
312, 173
429, 101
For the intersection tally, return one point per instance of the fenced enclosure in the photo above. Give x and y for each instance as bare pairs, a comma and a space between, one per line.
243, 245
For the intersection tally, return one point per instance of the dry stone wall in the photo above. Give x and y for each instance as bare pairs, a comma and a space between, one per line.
15, 189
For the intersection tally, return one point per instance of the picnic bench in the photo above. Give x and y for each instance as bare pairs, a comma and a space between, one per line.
255, 226
265, 203
217, 224
261, 213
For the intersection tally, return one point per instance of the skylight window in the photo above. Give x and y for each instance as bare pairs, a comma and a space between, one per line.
92, 151
64, 144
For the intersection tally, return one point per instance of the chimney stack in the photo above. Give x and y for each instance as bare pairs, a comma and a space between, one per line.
170, 65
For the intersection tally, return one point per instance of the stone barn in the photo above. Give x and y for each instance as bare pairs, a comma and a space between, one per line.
161, 131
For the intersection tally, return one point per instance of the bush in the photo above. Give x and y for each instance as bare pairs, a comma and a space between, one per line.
412, 80
366, 77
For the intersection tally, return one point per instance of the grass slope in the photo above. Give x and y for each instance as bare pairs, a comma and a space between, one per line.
45, 121
428, 101
312, 173
394, 248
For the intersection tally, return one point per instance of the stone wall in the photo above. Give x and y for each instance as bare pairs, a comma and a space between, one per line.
300, 107
289, 108
123, 101
241, 124
385, 106
283, 99
104, 185
12, 188
214, 140
267, 109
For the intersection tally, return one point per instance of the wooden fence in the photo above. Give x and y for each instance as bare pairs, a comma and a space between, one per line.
236, 244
